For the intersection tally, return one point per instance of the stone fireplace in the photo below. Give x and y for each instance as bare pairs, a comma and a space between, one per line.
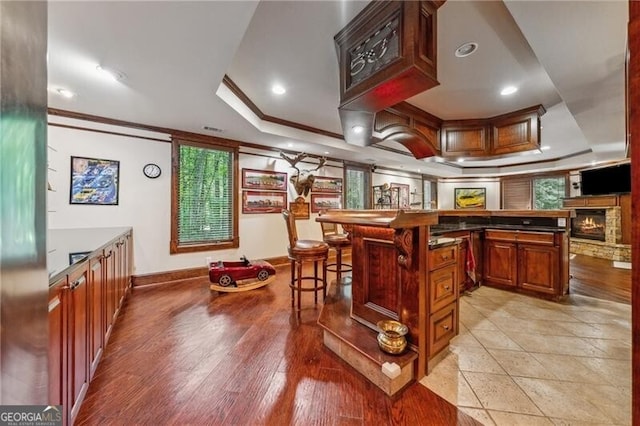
598, 233
589, 224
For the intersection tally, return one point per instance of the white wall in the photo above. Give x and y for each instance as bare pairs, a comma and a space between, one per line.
145, 204
446, 192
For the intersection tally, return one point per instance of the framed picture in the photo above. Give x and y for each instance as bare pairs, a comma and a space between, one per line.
325, 201
470, 198
327, 184
403, 195
264, 179
75, 257
300, 209
94, 181
255, 202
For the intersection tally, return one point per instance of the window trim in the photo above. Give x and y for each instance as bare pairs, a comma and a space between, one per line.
368, 195
212, 143
530, 177
564, 176
433, 182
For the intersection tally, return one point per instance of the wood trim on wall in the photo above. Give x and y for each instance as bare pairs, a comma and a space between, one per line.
129, 135
165, 277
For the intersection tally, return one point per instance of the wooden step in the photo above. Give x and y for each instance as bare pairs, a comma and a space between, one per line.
357, 344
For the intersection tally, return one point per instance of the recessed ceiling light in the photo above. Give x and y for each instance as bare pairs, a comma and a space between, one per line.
460, 160
326, 153
358, 129
593, 163
466, 49
545, 147
509, 90
290, 145
66, 93
278, 89
110, 74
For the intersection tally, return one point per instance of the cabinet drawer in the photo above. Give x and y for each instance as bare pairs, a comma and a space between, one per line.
442, 256
443, 326
545, 238
498, 235
442, 287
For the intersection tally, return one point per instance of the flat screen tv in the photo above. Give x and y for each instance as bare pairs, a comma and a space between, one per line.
606, 180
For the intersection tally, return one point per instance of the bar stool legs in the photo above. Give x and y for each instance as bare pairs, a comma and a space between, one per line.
298, 277
339, 267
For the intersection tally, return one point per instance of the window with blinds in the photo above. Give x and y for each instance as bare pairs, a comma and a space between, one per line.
516, 194
204, 208
357, 187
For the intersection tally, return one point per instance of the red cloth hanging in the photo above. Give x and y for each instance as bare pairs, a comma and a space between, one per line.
470, 266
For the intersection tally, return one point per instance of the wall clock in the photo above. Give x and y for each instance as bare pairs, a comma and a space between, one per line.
151, 170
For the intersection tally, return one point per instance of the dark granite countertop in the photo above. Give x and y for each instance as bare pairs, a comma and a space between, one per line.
440, 229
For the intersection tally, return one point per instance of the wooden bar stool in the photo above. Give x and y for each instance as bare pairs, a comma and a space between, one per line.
338, 242
301, 251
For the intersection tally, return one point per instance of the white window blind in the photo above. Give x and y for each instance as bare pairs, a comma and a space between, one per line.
516, 194
205, 195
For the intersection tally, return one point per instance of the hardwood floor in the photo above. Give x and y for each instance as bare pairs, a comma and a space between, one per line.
182, 354
598, 278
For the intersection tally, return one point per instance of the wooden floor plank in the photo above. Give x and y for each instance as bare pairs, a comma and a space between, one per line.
181, 354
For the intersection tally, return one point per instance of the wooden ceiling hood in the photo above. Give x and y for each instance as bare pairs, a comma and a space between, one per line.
386, 55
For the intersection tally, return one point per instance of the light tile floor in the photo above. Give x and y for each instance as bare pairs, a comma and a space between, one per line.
519, 360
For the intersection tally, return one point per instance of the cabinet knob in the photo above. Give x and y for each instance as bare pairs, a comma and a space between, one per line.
444, 257
446, 287
446, 327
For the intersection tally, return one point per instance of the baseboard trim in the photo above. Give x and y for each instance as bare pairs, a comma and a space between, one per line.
185, 274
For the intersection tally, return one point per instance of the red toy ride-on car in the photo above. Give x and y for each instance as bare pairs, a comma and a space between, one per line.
228, 273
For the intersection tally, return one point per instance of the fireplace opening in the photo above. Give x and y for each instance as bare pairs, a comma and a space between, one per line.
589, 224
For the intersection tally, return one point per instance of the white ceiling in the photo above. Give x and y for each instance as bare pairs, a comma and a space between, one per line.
567, 56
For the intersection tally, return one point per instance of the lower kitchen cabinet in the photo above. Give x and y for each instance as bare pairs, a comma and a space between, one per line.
526, 260
501, 263
57, 366
538, 268
77, 339
443, 296
83, 304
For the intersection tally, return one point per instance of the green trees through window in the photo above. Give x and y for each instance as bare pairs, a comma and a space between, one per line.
357, 191
548, 193
204, 209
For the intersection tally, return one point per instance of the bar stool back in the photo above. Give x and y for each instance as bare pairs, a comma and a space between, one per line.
301, 251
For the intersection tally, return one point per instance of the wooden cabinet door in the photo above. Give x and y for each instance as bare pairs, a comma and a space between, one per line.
58, 345
462, 265
121, 267
538, 268
109, 298
96, 314
78, 340
501, 263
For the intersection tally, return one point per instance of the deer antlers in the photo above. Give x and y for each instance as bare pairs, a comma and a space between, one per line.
299, 157
302, 185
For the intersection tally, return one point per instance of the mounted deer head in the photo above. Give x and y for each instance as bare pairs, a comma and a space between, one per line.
303, 179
